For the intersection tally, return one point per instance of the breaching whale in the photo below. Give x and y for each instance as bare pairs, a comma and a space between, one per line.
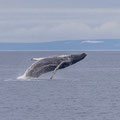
44, 65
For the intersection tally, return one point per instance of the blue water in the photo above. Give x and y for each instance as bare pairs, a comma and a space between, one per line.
88, 90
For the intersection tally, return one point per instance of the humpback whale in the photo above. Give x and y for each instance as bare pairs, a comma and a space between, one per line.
48, 64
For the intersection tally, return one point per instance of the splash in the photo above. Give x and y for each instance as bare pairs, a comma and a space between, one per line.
22, 77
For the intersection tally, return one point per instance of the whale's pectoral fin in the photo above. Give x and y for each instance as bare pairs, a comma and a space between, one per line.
37, 59
56, 69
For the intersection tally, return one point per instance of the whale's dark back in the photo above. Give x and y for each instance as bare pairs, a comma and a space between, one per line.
43, 66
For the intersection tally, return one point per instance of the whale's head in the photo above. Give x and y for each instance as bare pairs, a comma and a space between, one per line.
77, 57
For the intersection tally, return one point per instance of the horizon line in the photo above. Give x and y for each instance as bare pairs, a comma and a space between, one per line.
65, 40
109, 50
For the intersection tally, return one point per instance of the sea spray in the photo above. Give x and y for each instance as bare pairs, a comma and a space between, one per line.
22, 77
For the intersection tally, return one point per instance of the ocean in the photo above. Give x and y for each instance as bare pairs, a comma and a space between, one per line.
87, 90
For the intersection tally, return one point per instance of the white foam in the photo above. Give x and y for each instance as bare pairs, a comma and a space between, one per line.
22, 77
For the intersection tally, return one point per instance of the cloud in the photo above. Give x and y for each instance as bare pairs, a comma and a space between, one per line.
61, 10
60, 3
93, 42
52, 24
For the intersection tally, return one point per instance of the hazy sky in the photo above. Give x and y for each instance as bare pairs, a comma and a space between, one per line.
52, 20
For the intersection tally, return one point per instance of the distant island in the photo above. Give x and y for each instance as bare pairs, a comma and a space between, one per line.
98, 44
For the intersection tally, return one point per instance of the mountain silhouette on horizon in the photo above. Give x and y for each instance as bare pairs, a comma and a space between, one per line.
98, 44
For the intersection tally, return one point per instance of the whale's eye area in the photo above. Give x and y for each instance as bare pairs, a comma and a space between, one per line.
64, 65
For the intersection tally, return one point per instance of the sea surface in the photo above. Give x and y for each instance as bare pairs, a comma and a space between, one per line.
88, 90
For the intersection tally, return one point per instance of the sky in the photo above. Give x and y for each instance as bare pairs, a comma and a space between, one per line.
55, 20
